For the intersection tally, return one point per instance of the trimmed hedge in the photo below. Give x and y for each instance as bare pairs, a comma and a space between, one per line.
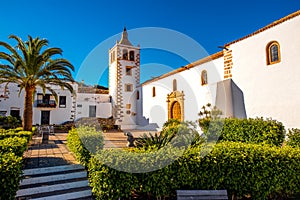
14, 145
10, 175
250, 130
15, 133
256, 170
84, 141
293, 137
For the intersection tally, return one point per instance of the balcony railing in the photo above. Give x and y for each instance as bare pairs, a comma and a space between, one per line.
46, 103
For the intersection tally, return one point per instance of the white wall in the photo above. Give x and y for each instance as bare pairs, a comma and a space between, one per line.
270, 90
14, 101
101, 101
188, 81
57, 115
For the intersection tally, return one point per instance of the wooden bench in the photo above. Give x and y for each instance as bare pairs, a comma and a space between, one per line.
201, 194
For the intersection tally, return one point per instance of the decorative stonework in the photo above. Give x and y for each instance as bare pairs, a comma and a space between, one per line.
137, 69
227, 64
175, 102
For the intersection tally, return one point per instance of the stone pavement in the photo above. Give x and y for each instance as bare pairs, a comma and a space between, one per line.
54, 153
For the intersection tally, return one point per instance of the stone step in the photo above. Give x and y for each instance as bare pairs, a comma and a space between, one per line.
51, 188
59, 182
53, 178
71, 195
48, 170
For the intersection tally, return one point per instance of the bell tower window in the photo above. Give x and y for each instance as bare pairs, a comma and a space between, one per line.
125, 54
131, 55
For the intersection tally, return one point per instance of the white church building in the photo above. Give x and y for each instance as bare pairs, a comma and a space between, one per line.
255, 76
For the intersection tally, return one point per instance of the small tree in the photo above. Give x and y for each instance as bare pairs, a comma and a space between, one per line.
207, 114
30, 65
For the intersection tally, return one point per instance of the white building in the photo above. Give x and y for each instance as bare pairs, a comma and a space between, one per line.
255, 76
86, 102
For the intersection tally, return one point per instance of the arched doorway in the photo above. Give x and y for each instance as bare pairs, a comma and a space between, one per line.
175, 102
176, 111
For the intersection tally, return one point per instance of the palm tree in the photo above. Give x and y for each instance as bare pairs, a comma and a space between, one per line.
32, 64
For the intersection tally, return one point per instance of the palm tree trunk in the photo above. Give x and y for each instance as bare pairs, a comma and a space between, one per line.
28, 106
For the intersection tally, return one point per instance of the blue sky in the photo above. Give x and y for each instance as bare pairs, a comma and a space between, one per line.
79, 26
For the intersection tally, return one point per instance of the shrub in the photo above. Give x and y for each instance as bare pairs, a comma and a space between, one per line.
10, 175
293, 137
8, 122
15, 145
84, 141
180, 134
14, 133
255, 170
245, 130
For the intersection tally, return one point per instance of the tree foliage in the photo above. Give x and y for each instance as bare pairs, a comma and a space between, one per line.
30, 64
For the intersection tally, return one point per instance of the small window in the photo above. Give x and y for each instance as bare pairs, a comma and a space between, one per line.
273, 53
153, 92
62, 101
174, 85
204, 77
128, 71
125, 54
79, 105
128, 87
131, 55
137, 95
112, 57
3, 113
128, 106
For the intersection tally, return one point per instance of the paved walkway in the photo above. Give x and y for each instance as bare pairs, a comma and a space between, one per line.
54, 153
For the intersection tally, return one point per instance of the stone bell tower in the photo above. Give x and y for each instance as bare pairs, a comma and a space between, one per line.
124, 77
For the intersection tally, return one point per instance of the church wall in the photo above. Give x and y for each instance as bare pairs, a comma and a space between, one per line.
270, 90
188, 81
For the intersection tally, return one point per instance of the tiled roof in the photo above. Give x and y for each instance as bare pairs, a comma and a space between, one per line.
186, 67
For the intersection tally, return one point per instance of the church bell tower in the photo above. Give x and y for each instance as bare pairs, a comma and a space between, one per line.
124, 77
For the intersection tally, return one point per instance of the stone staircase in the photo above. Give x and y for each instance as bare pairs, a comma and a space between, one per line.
51, 183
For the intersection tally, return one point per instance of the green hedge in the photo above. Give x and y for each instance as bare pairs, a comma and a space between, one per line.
256, 170
293, 137
10, 175
84, 141
250, 130
15, 145
14, 133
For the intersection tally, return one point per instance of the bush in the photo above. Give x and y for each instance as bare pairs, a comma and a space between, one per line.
174, 132
293, 137
8, 122
245, 130
15, 133
15, 145
84, 141
10, 175
256, 170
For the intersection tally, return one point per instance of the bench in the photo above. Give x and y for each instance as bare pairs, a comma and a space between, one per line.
201, 194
